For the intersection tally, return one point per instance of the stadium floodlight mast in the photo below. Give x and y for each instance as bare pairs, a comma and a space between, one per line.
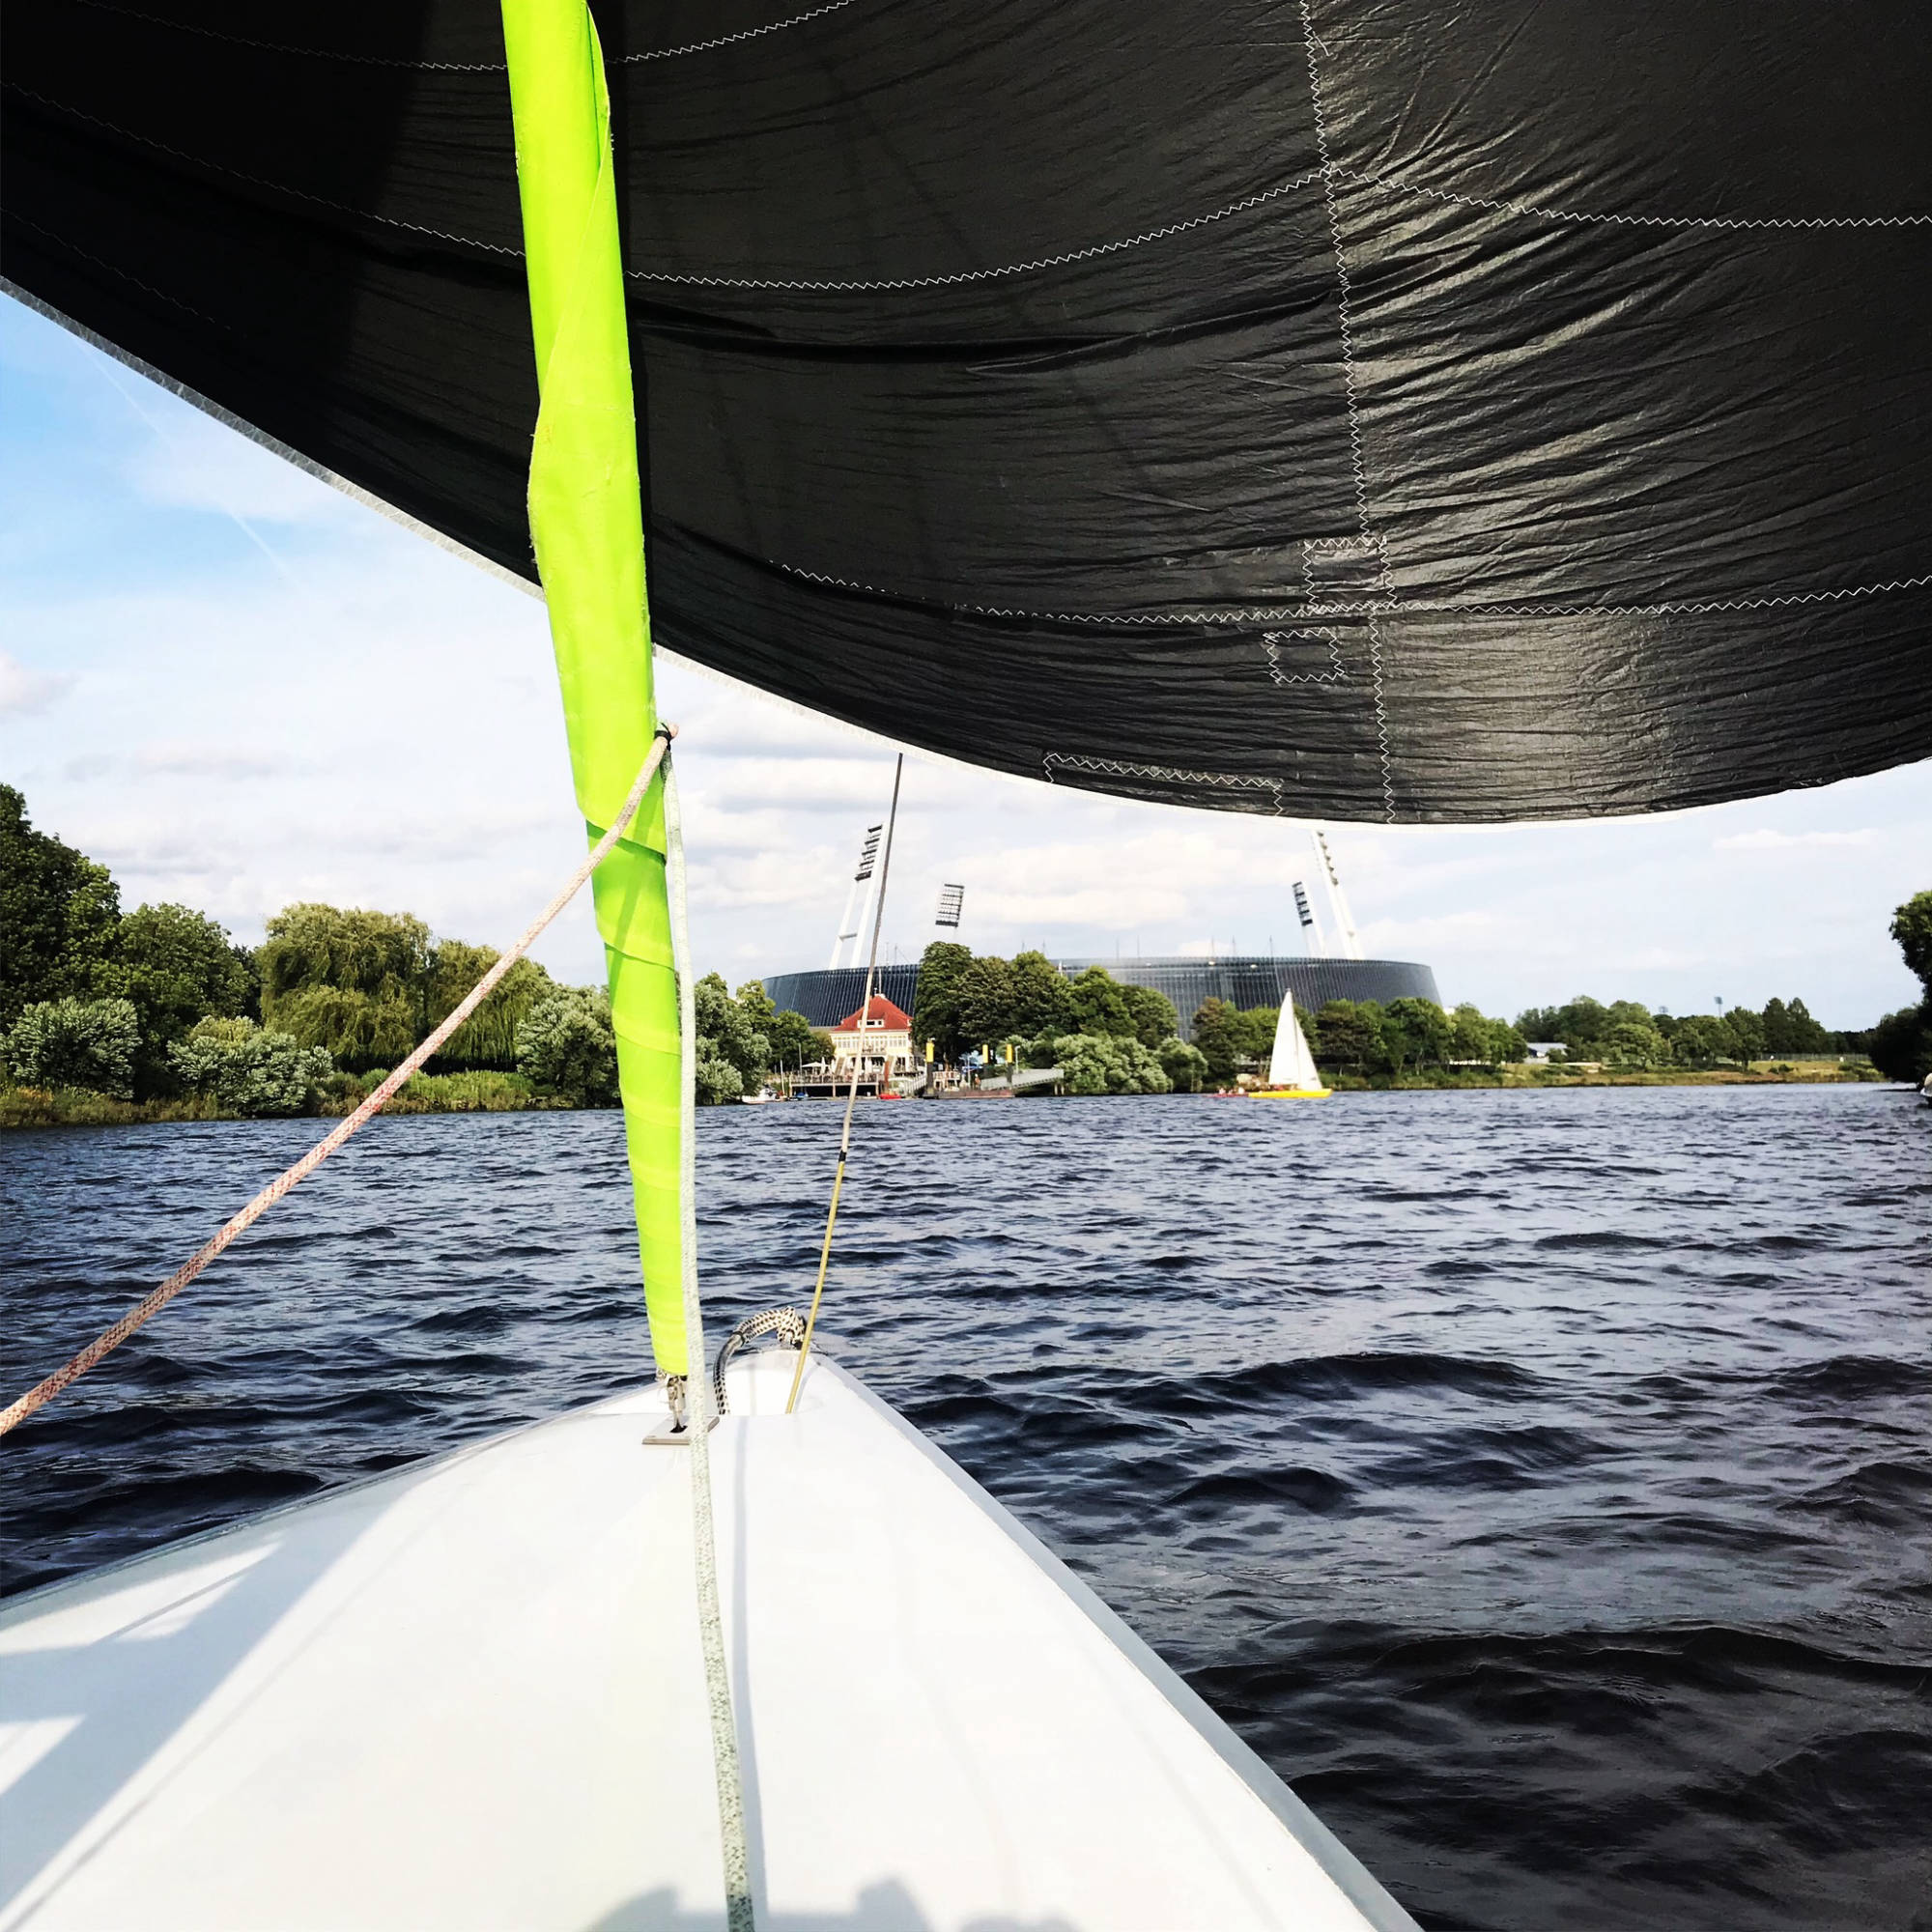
1318, 946
848, 928
1351, 945
951, 899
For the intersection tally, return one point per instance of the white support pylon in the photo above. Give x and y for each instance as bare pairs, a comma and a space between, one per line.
1345, 920
868, 852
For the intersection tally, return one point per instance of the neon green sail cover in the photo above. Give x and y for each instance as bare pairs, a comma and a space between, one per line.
588, 523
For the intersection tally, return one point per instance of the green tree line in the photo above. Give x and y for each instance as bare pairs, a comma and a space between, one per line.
1104, 1036
1626, 1033
1900, 1045
160, 1004
1359, 1037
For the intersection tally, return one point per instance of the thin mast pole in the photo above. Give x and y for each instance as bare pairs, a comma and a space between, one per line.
851, 1095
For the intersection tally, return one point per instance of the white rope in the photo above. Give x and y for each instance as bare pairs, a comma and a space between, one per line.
739, 1915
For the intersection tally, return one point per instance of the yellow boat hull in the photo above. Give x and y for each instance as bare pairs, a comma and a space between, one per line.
1290, 1093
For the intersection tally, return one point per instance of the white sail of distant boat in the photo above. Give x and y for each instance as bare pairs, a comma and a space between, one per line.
1292, 1067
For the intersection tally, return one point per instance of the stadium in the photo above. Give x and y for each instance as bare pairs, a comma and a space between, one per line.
1332, 969
830, 994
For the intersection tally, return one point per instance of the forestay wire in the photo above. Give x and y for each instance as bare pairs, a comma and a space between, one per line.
739, 1915
71, 1370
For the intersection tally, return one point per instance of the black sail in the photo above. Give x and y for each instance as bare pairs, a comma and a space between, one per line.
1365, 408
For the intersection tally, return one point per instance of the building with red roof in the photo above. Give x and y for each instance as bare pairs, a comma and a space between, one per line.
876, 1038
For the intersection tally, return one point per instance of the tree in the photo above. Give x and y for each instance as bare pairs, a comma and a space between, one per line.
487, 1037
1255, 1029
352, 981
1184, 1065
1803, 1033
1636, 1044
756, 1005
985, 1003
1415, 1033
1583, 1025
1473, 1036
565, 1047
726, 1034
1912, 927
1348, 1033
69, 1042
248, 1070
1901, 1043
936, 1004
1108, 1064
178, 967
1218, 1033
718, 1080
1043, 998
1152, 1014
1746, 1035
1097, 1005
794, 1042
1702, 1040
58, 915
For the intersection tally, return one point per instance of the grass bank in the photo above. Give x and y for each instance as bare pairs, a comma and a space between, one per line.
426, 1093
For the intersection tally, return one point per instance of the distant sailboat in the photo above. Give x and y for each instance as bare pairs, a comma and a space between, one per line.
1291, 1070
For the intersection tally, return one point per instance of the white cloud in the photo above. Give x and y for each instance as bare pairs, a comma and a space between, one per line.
1767, 841
25, 690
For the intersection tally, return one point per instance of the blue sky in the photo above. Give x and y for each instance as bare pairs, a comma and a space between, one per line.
239, 688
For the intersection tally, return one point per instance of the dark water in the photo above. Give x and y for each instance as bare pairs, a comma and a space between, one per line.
1542, 1481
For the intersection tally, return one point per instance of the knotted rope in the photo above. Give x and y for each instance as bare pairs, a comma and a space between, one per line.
43, 1393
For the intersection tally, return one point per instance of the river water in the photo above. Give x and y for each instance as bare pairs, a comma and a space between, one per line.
1541, 1481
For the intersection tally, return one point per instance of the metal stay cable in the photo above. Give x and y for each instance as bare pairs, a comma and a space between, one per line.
43, 1393
851, 1093
739, 1913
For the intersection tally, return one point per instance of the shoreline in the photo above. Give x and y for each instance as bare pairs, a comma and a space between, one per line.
27, 1107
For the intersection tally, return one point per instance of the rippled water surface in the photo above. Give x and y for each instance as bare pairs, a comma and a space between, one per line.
1541, 1481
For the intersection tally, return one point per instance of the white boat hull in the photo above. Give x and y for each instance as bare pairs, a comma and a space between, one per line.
469, 1696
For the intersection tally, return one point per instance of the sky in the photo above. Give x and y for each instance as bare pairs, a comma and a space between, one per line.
239, 688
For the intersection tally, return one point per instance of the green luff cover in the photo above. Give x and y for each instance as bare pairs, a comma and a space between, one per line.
586, 522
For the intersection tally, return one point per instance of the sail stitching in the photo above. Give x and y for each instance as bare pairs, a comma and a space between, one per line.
1272, 641
732, 39
963, 275
450, 67
1497, 204
1325, 173
257, 181
1745, 223
1395, 604
1343, 304
1121, 767
94, 260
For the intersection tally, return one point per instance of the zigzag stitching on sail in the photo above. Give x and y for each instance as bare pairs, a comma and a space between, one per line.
1745, 223
450, 67
900, 282
108, 268
1272, 641
1342, 320
732, 39
1118, 768
256, 181
1284, 614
